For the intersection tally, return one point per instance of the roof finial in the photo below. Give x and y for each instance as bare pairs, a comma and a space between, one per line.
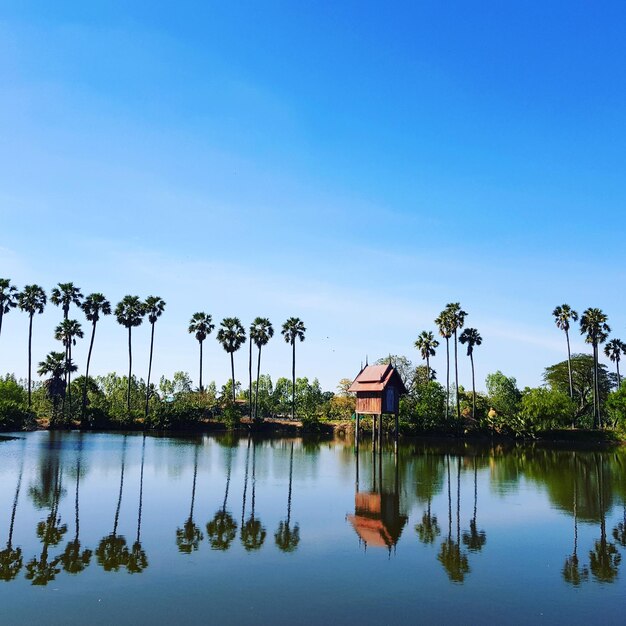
366, 361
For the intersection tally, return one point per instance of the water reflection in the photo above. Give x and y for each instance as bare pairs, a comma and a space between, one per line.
286, 537
188, 537
222, 529
253, 532
11, 559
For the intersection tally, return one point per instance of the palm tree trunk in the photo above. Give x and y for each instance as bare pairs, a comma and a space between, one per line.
250, 381
143, 456
232, 368
447, 377
569, 366
473, 387
427, 369
84, 404
130, 369
256, 391
290, 481
201, 389
30, 353
69, 382
456, 375
1, 315
619, 379
293, 381
149, 371
597, 383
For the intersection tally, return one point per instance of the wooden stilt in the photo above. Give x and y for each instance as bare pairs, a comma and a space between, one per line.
397, 428
356, 433
380, 434
373, 432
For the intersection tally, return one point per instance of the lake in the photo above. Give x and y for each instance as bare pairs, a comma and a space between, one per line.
113, 528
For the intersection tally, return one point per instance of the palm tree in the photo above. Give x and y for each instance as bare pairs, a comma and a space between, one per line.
472, 338
58, 367
154, 307
64, 295
457, 319
286, 537
444, 324
232, 336
32, 300
261, 332
201, 325
94, 305
130, 313
593, 325
222, 529
614, 350
66, 332
426, 344
188, 537
293, 329
8, 298
563, 315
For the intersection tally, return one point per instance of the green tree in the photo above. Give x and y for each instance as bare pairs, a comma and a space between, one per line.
201, 325
445, 326
547, 408
504, 396
472, 338
616, 406
232, 336
31, 300
154, 307
426, 344
67, 332
58, 367
261, 332
8, 298
456, 315
614, 349
563, 315
94, 305
293, 329
593, 325
130, 312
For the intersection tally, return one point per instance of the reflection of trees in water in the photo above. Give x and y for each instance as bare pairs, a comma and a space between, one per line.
604, 559
428, 482
41, 570
573, 572
11, 559
222, 529
619, 531
453, 559
137, 558
112, 552
188, 537
286, 537
252, 532
73, 559
474, 539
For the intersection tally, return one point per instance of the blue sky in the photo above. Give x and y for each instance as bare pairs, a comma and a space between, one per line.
355, 164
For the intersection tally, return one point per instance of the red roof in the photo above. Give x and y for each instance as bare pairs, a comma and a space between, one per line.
376, 378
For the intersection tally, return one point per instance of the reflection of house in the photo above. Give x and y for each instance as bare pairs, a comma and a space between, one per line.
377, 518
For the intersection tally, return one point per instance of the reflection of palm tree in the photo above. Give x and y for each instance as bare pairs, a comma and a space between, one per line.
287, 538
73, 560
41, 571
188, 537
11, 559
222, 529
604, 559
619, 532
137, 559
112, 552
474, 539
252, 532
572, 572
450, 556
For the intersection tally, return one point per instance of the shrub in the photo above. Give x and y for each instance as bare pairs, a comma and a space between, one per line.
544, 408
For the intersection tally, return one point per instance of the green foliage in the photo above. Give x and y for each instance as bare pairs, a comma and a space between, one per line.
14, 413
504, 396
424, 408
616, 407
546, 408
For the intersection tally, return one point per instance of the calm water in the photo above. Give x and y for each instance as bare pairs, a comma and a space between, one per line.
121, 529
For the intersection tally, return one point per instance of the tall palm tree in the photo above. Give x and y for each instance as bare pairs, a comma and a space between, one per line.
31, 300
94, 305
563, 315
457, 319
593, 324
154, 307
130, 313
67, 332
472, 338
426, 344
261, 332
55, 364
201, 325
614, 349
64, 295
293, 329
8, 298
232, 336
444, 325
